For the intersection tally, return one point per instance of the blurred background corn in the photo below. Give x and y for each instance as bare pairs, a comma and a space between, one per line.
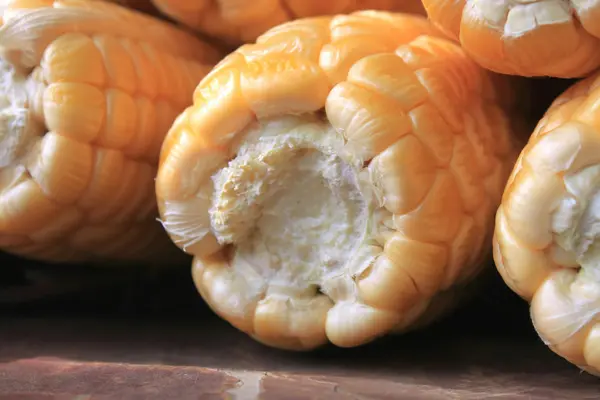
145, 6
89, 90
413, 138
235, 22
547, 227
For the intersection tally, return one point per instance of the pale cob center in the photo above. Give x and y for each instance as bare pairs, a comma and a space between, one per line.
576, 222
568, 155
293, 206
18, 130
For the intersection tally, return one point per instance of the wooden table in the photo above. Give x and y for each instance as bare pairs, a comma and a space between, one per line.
164, 344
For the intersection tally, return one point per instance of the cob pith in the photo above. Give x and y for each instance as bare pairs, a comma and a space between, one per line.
528, 38
546, 236
236, 22
89, 89
337, 178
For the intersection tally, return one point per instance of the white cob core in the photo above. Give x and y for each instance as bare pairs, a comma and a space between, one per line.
576, 221
17, 131
293, 205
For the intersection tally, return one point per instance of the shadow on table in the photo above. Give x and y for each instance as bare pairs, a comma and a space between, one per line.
163, 321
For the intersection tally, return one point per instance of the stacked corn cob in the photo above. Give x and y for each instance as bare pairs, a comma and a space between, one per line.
89, 90
337, 180
546, 229
239, 21
546, 235
528, 38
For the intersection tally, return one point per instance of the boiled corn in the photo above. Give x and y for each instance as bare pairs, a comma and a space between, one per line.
527, 38
90, 89
546, 236
239, 21
338, 179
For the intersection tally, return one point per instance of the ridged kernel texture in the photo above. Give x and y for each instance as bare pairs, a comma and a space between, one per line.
90, 91
554, 38
337, 180
546, 237
239, 21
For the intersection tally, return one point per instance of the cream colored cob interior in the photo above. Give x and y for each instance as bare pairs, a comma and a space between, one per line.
240, 21
334, 179
547, 228
89, 90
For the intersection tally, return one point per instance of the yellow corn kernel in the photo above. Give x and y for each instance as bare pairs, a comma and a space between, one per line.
338, 206
546, 236
239, 21
90, 90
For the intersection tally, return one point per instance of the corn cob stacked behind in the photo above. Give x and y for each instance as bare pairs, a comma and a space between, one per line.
528, 38
236, 22
545, 233
144, 6
90, 90
410, 134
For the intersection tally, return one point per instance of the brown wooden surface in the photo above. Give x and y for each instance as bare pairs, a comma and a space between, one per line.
160, 342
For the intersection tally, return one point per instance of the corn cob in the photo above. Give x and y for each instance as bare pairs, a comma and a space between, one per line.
527, 38
238, 21
545, 242
333, 179
89, 89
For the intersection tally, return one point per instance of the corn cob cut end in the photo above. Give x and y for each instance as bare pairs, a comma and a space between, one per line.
235, 23
87, 98
530, 38
546, 237
330, 182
